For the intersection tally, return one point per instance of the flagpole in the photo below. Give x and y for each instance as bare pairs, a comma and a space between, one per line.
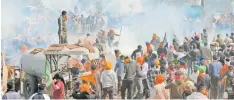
120, 36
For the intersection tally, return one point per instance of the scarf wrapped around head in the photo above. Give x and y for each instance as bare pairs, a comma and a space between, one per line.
159, 79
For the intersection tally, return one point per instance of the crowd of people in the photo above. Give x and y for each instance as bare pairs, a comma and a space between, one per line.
195, 69
189, 71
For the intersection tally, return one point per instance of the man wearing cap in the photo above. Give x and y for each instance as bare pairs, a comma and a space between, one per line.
11, 94
63, 27
214, 73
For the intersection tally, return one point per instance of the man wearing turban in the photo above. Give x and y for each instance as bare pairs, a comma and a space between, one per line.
109, 81
159, 88
155, 41
111, 37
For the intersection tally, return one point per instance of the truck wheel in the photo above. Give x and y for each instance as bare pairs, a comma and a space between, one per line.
30, 85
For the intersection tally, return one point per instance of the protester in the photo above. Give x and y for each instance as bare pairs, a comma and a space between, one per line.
11, 93
189, 89
175, 86
130, 70
41, 94
195, 74
145, 82
137, 82
109, 81
63, 28
58, 86
155, 41
153, 72
135, 52
119, 69
214, 73
159, 88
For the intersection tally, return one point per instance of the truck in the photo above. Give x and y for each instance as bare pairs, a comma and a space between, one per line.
40, 64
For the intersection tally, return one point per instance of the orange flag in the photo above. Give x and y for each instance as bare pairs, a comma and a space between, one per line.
89, 78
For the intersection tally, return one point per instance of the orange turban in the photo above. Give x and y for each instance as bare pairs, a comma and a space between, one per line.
24, 48
112, 31
108, 65
160, 79
140, 60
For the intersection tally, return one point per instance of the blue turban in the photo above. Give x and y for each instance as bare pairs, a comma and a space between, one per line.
201, 59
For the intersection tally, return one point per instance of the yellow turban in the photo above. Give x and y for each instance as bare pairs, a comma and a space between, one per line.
156, 62
108, 65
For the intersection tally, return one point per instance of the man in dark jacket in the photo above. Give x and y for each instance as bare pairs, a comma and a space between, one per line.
130, 70
11, 94
41, 94
138, 50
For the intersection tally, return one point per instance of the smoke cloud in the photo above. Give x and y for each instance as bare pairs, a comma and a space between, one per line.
145, 18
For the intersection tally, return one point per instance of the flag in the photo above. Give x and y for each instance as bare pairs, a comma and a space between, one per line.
89, 78
165, 43
47, 75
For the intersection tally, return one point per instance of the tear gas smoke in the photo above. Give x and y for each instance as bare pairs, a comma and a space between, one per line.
146, 18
